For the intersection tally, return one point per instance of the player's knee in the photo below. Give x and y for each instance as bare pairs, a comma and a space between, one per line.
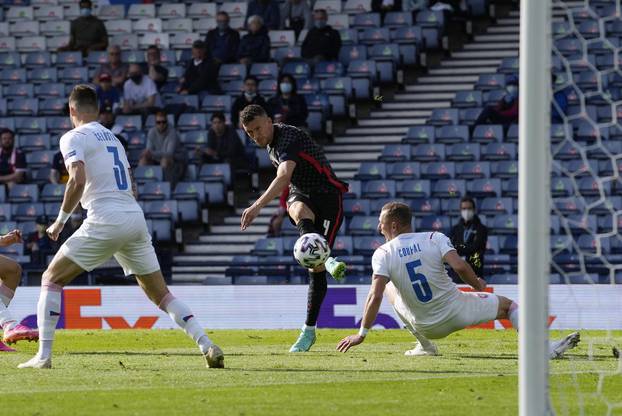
504, 306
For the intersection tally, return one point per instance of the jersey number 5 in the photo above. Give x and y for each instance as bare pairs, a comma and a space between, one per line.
119, 169
422, 288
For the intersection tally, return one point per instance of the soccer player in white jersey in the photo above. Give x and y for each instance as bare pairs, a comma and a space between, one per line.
100, 179
411, 266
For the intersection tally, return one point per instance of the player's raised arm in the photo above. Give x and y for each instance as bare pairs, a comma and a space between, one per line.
372, 306
279, 183
464, 270
73, 193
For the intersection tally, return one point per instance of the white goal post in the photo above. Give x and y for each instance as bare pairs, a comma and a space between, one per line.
534, 205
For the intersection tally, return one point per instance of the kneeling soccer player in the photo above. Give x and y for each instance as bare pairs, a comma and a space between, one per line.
10, 275
411, 267
100, 179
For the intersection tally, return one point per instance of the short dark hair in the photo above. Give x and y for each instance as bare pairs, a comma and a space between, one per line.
199, 44
7, 130
251, 112
86, 1
221, 13
161, 113
84, 99
219, 115
154, 47
321, 11
467, 198
251, 77
398, 212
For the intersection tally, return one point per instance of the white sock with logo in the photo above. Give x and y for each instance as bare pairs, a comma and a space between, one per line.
48, 313
6, 295
183, 316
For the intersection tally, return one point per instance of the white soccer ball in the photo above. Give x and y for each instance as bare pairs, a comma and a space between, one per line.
311, 250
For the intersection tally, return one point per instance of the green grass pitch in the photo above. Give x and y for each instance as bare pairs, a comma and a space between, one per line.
155, 372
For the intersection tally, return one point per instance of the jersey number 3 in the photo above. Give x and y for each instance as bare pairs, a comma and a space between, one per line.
119, 169
420, 282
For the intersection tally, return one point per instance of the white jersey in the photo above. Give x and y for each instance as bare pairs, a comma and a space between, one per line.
414, 264
108, 189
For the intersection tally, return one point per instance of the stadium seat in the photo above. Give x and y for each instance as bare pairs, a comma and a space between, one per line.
366, 245
461, 152
24, 193
414, 188
371, 170
496, 206
393, 20
363, 225
487, 82
403, 170
154, 190
395, 153
268, 247
472, 170
504, 224
428, 153
5, 212
40, 158
22, 107
481, 188
192, 121
379, 189
438, 170
420, 135
217, 172
214, 103
352, 207
433, 223
143, 174
452, 134
499, 151
27, 212
30, 125
449, 188
467, 99
41, 59
444, 116
425, 206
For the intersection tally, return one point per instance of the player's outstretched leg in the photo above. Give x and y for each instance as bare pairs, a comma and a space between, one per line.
155, 288
13, 331
509, 310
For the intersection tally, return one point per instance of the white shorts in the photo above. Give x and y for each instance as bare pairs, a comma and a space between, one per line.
128, 240
470, 308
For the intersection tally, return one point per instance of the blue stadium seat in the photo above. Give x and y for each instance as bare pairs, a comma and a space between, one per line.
50, 90
152, 191
354, 189
231, 72
499, 151
403, 170
504, 224
352, 207
268, 247
443, 117
10, 60
366, 245
420, 135
5, 212
52, 192
24, 193
143, 174
43, 75
190, 191
73, 75
438, 223
395, 153
562, 187
415, 188
213, 103
428, 153
267, 87
449, 188
463, 152
217, 172
438, 170
12, 75
374, 35
30, 125
130, 123
40, 158
425, 206
163, 209
69, 58
342, 246
192, 121
504, 169
32, 142
351, 53
194, 138
452, 134
52, 106
568, 46
297, 69
472, 170
488, 133
363, 225
467, 99
18, 90
469, 115
496, 206
23, 107
393, 20
379, 189
27, 211
328, 69
308, 86
579, 223
388, 58
509, 65
215, 192
488, 82
366, 20
265, 70
180, 103
492, 97
371, 170
364, 74
481, 188
285, 53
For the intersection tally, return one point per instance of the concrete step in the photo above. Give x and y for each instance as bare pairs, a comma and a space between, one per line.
484, 54
352, 148
240, 238
438, 88
439, 79
366, 139
425, 97
345, 165
198, 269
508, 21
392, 122
504, 29
218, 248
188, 258
235, 229
260, 220
375, 131
494, 38
412, 106
351, 157
347, 175
463, 71
466, 63
505, 46
394, 113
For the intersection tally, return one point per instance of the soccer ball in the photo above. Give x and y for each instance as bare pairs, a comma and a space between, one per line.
311, 250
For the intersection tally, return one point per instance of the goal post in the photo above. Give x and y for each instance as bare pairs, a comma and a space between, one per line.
534, 205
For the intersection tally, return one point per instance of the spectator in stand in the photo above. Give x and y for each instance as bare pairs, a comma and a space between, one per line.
140, 94
385, 6
296, 15
38, 244
201, 72
414, 6
268, 10
117, 69
250, 96
223, 144
87, 32
322, 42
469, 236
506, 110
223, 41
287, 106
58, 173
255, 45
108, 120
165, 149
12, 161
107, 94
156, 71
560, 106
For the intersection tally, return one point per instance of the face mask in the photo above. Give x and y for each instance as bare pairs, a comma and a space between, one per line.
250, 95
285, 87
320, 24
85, 12
222, 26
467, 214
137, 78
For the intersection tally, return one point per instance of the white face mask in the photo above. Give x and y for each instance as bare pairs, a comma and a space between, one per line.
467, 214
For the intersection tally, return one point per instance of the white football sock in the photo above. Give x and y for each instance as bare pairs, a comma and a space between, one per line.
513, 315
48, 313
306, 327
183, 316
6, 320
